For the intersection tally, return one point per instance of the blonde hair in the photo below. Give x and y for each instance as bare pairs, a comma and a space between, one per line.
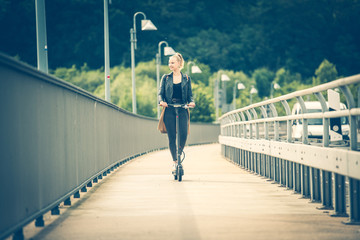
180, 59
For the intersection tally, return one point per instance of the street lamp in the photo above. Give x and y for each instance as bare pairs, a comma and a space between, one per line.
106, 51
146, 25
194, 68
222, 77
252, 91
274, 86
41, 39
238, 85
167, 51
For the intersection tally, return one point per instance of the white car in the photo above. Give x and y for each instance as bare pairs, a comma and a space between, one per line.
315, 126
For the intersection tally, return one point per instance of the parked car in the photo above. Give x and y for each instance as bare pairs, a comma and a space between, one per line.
315, 126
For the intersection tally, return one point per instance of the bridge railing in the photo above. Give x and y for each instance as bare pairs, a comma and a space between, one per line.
57, 139
258, 139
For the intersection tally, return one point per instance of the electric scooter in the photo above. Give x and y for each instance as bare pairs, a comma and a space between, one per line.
179, 171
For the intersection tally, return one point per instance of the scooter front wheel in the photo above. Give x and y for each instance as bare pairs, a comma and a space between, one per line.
179, 173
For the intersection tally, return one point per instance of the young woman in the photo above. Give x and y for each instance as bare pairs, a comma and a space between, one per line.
175, 87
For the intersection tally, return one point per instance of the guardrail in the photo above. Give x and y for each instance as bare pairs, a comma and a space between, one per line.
57, 139
323, 171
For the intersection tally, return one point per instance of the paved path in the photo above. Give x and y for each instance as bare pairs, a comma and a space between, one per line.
216, 200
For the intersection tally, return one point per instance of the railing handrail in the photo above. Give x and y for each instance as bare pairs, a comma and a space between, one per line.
249, 115
333, 114
334, 84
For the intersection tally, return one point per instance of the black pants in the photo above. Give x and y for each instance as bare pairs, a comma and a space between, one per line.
170, 123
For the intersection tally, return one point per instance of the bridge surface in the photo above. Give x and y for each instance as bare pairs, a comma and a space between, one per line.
216, 200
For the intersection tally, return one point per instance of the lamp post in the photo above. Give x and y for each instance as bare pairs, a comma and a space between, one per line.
106, 51
194, 68
238, 85
41, 39
167, 51
274, 86
222, 77
253, 90
145, 26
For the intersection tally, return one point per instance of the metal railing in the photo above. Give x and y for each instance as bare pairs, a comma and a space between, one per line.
257, 139
57, 139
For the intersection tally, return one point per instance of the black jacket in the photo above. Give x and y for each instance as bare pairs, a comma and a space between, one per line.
166, 89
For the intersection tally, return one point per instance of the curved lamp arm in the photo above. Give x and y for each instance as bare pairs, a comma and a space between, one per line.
134, 27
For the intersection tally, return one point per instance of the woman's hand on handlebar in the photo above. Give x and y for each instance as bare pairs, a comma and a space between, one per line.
192, 104
163, 104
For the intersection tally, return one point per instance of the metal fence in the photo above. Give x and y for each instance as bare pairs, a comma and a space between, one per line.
322, 170
57, 139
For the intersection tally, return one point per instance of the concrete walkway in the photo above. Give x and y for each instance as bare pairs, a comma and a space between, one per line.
216, 200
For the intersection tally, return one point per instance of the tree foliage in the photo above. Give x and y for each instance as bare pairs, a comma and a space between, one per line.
326, 72
263, 78
239, 35
204, 110
293, 43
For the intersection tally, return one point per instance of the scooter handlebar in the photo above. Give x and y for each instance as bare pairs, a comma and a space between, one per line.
176, 105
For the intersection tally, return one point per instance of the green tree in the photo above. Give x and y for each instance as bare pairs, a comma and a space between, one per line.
283, 76
326, 72
204, 110
84, 78
263, 78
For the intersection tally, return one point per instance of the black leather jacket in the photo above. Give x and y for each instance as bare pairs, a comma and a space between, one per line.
166, 89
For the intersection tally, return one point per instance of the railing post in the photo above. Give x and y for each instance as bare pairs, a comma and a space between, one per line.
246, 160
340, 201
242, 158
284, 174
256, 163
274, 167
326, 121
255, 116
353, 124
18, 235
67, 202
276, 123
263, 164
305, 121
266, 124
252, 161
354, 197
39, 222
305, 191
250, 124
244, 125
297, 178
95, 180
289, 175
55, 210
281, 172
268, 158
314, 185
326, 190
237, 126
276, 170
288, 122
238, 156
